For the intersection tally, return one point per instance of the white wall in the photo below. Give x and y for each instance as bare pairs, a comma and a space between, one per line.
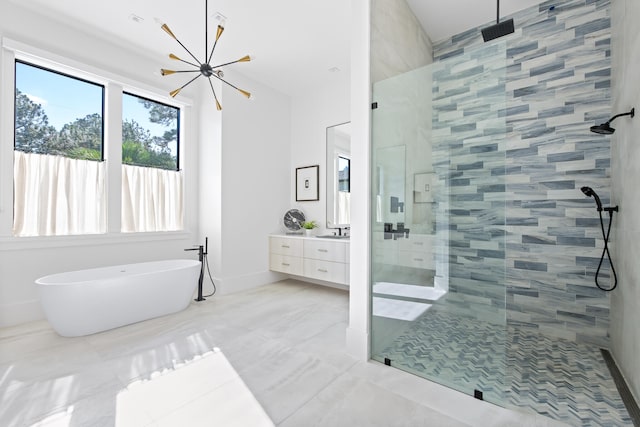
357, 338
311, 114
23, 260
625, 171
245, 180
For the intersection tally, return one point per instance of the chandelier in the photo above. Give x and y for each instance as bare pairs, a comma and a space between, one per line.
204, 68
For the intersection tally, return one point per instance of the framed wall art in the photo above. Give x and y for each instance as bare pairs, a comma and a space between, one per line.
307, 183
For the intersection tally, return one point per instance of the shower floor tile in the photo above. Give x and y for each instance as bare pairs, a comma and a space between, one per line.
561, 379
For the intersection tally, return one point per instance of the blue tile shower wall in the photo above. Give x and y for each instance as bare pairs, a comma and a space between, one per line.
557, 80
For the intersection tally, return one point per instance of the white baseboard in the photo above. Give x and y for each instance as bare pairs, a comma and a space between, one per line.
21, 312
358, 344
230, 285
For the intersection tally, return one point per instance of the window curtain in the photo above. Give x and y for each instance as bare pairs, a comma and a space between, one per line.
56, 195
151, 199
344, 207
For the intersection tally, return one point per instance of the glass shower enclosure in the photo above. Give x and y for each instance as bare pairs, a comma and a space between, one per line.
438, 222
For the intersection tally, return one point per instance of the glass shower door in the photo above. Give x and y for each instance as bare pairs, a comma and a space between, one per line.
438, 222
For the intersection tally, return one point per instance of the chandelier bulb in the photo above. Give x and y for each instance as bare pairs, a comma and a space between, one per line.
173, 93
166, 72
172, 56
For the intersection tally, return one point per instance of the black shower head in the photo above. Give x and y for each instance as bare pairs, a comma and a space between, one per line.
605, 129
588, 191
499, 29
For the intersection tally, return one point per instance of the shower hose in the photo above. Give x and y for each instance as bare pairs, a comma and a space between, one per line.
605, 251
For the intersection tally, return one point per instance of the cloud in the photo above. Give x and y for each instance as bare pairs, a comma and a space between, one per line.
37, 100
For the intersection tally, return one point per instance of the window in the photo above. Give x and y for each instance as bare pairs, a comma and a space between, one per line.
59, 183
67, 152
151, 180
344, 176
150, 133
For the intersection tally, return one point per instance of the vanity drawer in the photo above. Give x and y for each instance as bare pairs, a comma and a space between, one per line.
286, 264
326, 270
285, 246
325, 250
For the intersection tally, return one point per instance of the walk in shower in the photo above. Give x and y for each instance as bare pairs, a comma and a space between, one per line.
483, 248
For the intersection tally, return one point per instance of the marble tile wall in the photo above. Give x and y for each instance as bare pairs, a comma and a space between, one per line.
556, 80
399, 44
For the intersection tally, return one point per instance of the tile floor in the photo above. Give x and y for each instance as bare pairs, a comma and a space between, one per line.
561, 379
269, 356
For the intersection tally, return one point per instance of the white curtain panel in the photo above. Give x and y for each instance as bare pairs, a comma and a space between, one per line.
151, 199
344, 207
56, 195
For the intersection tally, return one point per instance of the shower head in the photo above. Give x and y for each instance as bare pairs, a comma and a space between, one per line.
605, 129
588, 191
499, 29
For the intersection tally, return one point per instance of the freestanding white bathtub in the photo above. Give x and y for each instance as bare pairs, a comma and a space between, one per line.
88, 301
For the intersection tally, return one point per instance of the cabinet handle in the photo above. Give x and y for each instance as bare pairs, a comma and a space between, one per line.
285, 264
418, 243
418, 259
321, 270
285, 246
322, 250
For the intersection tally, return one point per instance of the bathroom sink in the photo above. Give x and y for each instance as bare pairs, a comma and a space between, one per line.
332, 236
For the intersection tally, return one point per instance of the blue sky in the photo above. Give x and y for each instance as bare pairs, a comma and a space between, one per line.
66, 99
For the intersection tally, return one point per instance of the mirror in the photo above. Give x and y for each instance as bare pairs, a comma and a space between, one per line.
390, 184
338, 175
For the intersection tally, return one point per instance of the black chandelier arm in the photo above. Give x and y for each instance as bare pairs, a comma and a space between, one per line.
224, 81
185, 48
187, 62
214, 95
228, 63
247, 94
189, 82
186, 71
212, 49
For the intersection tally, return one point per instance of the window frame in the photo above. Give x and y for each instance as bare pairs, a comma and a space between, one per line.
114, 84
17, 61
178, 125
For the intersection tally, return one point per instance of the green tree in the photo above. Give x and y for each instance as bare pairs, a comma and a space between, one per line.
81, 139
160, 113
141, 149
33, 134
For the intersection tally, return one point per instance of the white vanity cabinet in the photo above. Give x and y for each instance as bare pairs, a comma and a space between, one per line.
312, 257
285, 255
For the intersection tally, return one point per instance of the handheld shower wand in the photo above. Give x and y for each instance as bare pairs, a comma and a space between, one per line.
588, 191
